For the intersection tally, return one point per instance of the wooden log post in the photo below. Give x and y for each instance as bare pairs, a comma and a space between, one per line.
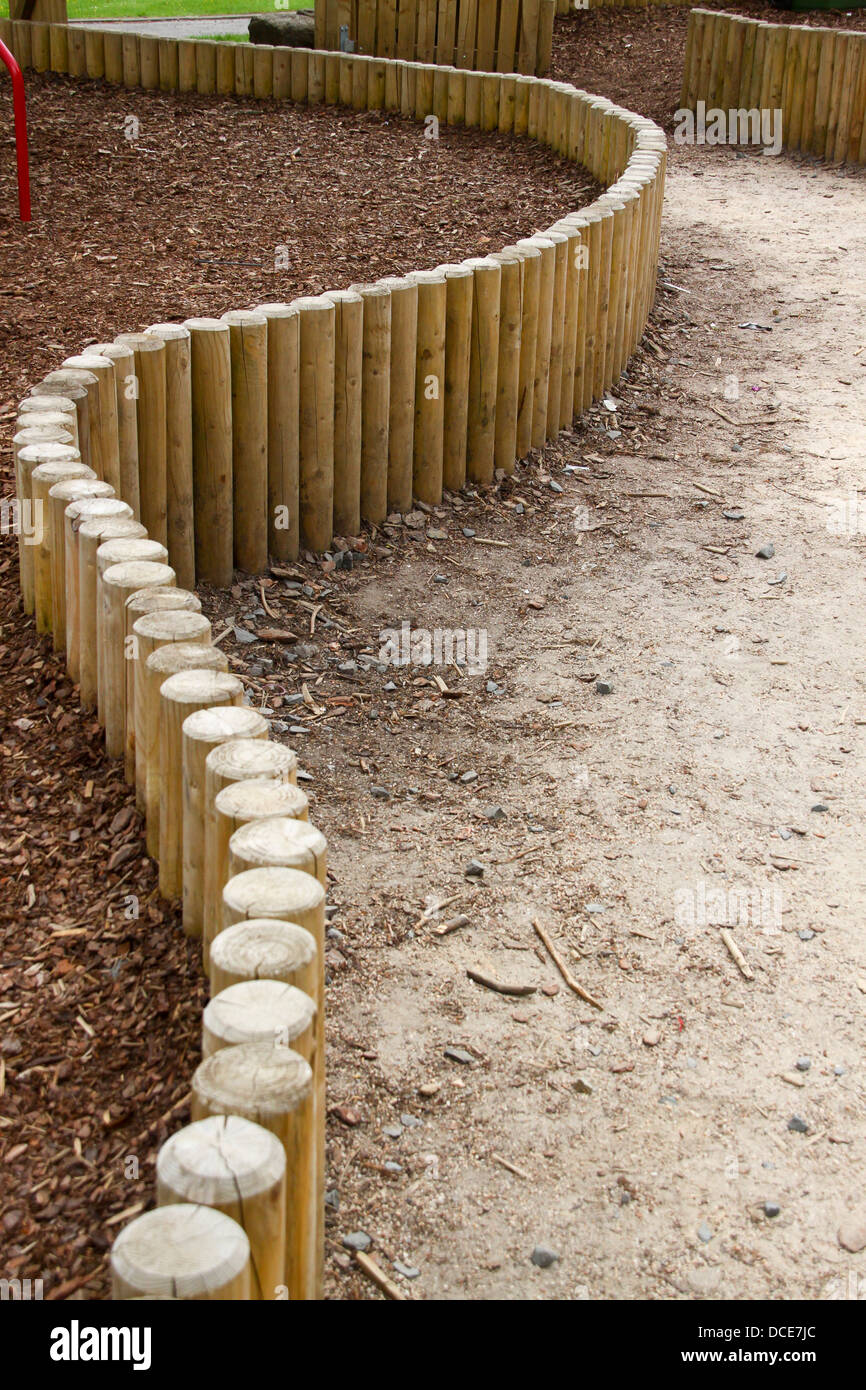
544, 319
76, 393
34, 408
59, 498
248, 334
316, 420
295, 897
125, 387
203, 731
104, 440
459, 283
210, 368
238, 1168
131, 61
271, 1086
401, 399
168, 65
264, 948
348, 368
42, 479
117, 551
150, 408
237, 760
180, 521
92, 534
31, 437
147, 631
159, 600
244, 801
283, 408
70, 381
483, 368
279, 842
85, 509
179, 696
375, 397
165, 661
530, 257
557, 331
429, 386
117, 583
508, 368
260, 1011
181, 1251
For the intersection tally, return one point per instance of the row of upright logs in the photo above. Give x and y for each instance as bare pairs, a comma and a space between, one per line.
281, 426
240, 1190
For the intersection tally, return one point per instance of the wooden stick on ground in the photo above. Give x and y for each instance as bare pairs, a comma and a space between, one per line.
380, 1278
563, 968
498, 986
736, 953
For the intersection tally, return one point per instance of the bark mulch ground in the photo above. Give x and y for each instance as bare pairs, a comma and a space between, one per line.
100, 993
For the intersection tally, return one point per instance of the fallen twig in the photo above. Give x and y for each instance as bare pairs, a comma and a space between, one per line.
563, 968
489, 983
512, 1167
736, 953
380, 1278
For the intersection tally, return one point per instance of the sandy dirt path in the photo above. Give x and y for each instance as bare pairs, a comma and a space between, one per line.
637, 824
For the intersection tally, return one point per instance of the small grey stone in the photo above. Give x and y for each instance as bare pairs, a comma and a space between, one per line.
391, 1167
407, 1271
555, 487
393, 1131
302, 774
596, 907
279, 726
805, 934
468, 532
820, 807
458, 1054
244, 636
347, 668
440, 579
798, 1125
838, 1070
771, 1209
474, 869
493, 813
332, 1198
493, 689
705, 1233
381, 792
358, 1240
804, 1063
734, 514
335, 935
295, 699
410, 1121
470, 776
390, 687
784, 834
306, 651
603, 688
298, 729
543, 1257
766, 552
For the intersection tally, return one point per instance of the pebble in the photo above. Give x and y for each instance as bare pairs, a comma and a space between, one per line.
820, 807
734, 515
390, 687
582, 1087
410, 1121
407, 1271
805, 934
429, 1088
470, 776
434, 534
766, 552
771, 1209
838, 1070
358, 1240
852, 1232
474, 869
798, 1125
705, 1233
393, 1131
804, 1063
381, 792
458, 1054
603, 688
784, 834
440, 579
555, 487
495, 813
468, 532
494, 689
543, 1257
391, 1167
652, 1037
332, 1199
244, 636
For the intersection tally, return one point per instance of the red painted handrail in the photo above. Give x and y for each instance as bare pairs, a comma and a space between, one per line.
20, 132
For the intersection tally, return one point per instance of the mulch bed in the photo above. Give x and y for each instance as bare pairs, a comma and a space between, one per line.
635, 57
100, 993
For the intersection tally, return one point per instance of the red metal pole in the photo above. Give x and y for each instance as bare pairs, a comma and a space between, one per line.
20, 132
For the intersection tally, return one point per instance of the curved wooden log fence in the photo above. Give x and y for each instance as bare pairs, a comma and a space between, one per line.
459, 371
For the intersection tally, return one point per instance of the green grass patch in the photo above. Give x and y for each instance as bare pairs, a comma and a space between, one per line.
169, 9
